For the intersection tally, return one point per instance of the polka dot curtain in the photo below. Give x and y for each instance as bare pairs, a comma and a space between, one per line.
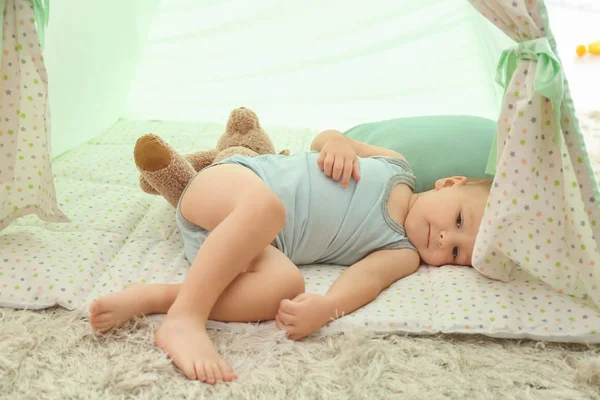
543, 210
26, 180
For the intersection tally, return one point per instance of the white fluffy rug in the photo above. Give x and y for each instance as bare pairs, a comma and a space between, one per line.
53, 354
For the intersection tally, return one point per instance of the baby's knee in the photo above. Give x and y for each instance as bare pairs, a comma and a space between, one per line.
294, 283
267, 208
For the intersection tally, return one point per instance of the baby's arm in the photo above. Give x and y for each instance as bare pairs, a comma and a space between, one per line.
357, 286
361, 149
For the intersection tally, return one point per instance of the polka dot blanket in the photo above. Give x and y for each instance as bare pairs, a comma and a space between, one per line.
118, 234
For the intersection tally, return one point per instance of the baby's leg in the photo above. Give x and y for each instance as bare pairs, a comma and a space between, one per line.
254, 295
243, 215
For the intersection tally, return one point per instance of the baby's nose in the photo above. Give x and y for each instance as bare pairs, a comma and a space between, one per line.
442, 238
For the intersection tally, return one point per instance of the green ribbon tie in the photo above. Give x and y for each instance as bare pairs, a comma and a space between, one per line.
549, 80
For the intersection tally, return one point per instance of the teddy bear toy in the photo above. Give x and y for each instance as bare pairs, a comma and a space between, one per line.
166, 172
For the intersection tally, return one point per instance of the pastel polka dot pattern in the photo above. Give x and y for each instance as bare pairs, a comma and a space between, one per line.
118, 235
543, 210
26, 180
41, 267
460, 300
520, 20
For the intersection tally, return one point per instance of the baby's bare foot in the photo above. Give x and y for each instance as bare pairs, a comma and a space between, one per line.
185, 340
119, 307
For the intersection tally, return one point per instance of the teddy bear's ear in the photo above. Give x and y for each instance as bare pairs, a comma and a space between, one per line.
242, 121
285, 152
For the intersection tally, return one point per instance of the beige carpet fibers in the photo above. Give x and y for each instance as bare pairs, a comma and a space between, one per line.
53, 354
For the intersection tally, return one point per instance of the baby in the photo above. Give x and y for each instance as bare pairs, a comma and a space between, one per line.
345, 202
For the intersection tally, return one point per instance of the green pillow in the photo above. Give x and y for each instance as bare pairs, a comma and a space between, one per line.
434, 146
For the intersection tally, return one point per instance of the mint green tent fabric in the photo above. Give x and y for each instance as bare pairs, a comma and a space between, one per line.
314, 64
435, 146
92, 51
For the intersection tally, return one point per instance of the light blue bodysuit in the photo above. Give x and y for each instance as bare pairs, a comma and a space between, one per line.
325, 223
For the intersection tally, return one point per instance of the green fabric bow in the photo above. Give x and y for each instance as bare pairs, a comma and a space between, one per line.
549, 80
41, 13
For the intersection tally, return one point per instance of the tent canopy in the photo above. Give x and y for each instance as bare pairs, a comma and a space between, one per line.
311, 64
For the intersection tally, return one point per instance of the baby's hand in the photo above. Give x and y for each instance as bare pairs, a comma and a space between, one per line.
339, 160
303, 315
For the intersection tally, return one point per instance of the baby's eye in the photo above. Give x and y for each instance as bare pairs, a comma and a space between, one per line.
459, 220
455, 252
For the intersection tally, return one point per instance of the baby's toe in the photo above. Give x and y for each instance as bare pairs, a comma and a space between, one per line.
210, 374
188, 370
227, 371
218, 373
200, 372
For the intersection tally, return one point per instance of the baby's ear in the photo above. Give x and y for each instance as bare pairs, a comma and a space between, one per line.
449, 182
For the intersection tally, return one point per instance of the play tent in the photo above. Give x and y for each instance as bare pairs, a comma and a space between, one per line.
82, 83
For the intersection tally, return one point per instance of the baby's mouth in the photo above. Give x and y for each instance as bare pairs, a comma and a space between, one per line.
428, 235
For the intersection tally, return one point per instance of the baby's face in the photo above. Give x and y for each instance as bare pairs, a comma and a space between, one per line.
443, 223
